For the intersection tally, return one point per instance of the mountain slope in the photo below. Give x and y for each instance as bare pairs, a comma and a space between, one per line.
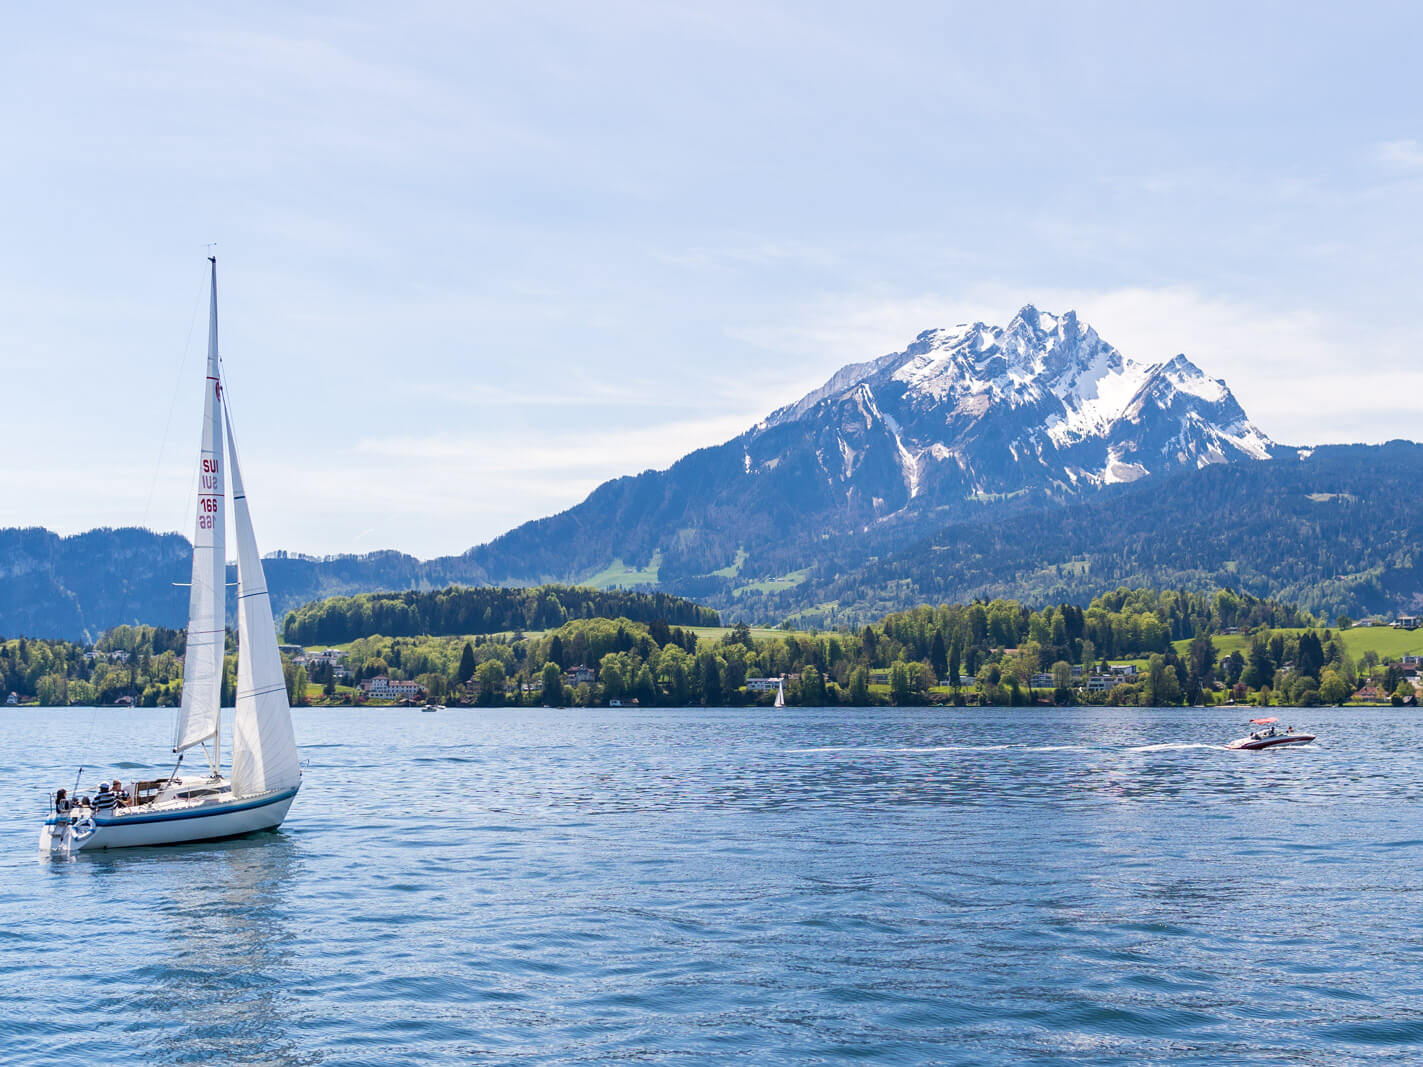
1334, 530
77, 587
1041, 410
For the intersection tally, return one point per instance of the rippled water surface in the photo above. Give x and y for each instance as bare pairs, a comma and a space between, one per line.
1077, 886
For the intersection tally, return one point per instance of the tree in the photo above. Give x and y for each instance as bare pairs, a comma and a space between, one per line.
1062, 674
939, 655
955, 660
920, 679
740, 635
644, 689
1163, 687
869, 641
1310, 656
1200, 659
1234, 667
466, 668
1259, 667
1332, 688
710, 678
289, 676
489, 680
1122, 695
552, 684
899, 690
611, 677
812, 687
860, 687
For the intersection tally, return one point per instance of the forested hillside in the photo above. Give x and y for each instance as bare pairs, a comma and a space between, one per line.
481, 611
993, 652
1336, 532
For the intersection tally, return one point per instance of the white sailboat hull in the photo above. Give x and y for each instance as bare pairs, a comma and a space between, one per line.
168, 826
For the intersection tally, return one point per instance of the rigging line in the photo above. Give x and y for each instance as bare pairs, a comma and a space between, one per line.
173, 402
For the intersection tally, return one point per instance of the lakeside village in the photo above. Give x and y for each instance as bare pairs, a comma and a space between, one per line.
1130, 647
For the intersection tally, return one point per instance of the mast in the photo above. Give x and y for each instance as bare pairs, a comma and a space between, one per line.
201, 717
264, 755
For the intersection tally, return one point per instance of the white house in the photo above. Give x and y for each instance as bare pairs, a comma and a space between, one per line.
12, 699
761, 685
382, 688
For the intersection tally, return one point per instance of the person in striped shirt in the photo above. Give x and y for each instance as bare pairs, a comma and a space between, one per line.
104, 800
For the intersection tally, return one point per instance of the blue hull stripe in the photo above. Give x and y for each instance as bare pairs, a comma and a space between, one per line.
200, 813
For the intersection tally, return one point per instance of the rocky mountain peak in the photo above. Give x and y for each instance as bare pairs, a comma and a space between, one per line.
982, 410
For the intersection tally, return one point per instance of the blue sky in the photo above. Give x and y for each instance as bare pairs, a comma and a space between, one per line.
475, 260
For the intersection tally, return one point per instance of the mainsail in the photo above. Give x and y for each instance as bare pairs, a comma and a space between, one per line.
264, 756
200, 717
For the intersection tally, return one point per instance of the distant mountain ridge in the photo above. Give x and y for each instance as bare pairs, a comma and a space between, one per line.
837, 498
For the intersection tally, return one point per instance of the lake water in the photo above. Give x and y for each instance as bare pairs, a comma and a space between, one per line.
904, 886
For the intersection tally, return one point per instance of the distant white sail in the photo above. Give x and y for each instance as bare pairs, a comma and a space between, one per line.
200, 717
780, 693
264, 756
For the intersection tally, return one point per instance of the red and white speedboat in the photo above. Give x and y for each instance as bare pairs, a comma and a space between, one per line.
1269, 735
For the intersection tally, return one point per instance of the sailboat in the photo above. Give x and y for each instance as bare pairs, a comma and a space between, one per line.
265, 771
780, 692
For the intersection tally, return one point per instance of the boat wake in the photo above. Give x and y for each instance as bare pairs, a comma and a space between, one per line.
880, 750
1173, 746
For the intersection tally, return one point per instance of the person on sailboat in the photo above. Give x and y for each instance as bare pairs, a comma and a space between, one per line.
62, 804
121, 797
104, 799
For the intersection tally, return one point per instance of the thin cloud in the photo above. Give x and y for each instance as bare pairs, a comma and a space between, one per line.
1404, 155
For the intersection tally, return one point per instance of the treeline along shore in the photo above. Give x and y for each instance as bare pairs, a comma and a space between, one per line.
1130, 646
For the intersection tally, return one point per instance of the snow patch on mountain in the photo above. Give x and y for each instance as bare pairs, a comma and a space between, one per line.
1043, 402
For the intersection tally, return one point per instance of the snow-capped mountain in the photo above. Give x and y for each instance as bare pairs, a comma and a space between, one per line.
886, 451
980, 411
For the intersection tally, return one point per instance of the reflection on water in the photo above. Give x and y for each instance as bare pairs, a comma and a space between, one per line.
215, 981
1075, 886
222, 991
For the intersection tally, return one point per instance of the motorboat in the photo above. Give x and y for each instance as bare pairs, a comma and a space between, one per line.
433, 707
1268, 735
264, 774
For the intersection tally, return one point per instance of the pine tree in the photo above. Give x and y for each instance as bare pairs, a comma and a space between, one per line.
938, 655
466, 670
